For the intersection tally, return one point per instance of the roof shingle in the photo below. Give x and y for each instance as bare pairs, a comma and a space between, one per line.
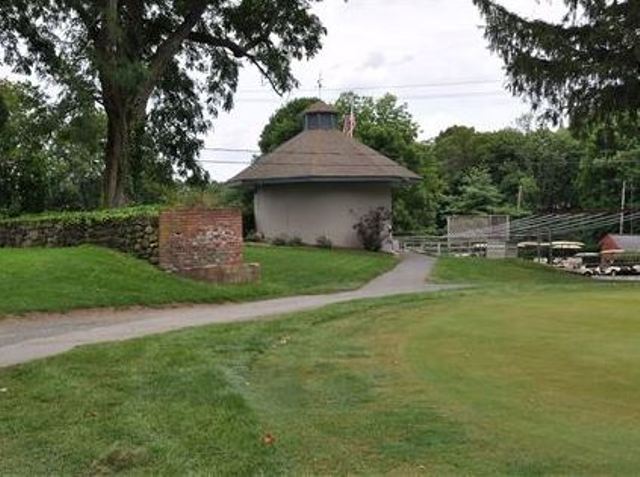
628, 243
324, 155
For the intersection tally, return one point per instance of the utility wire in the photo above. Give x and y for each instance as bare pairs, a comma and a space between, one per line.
471, 94
435, 84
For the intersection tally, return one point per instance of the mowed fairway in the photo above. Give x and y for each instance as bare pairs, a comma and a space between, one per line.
528, 377
86, 277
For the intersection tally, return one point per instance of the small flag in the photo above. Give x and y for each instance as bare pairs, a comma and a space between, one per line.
350, 123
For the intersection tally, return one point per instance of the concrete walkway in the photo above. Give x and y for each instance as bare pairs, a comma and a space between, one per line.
33, 337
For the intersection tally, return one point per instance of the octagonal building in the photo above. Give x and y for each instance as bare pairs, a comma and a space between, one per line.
320, 183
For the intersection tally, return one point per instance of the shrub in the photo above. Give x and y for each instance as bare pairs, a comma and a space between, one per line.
280, 241
295, 241
374, 228
324, 242
190, 197
255, 237
90, 217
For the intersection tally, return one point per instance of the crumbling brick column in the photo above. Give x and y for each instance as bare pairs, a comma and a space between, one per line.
205, 244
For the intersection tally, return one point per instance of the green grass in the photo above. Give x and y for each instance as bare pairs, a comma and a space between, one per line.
64, 279
513, 272
494, 380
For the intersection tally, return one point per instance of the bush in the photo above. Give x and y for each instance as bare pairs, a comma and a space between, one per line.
255, 237
284, 240
295, 241
324, 242
90, 217
374, 228
189, 197
280, 241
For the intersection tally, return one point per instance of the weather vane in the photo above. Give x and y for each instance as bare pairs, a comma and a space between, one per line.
320, 86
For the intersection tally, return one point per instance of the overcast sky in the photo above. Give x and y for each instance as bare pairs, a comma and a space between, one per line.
429, 53
389, 46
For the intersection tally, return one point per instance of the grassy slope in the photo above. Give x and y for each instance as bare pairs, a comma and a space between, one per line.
62, 279
529, 380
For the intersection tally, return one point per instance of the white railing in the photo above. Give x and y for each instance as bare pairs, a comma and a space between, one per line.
439, 246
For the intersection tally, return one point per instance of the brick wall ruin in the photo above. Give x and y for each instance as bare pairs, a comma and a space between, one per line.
205, 244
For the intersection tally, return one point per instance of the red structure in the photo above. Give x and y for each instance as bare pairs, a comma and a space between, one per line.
623, 243
205, 244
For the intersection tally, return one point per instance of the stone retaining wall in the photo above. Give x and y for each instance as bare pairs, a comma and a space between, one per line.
203, 244
136, 235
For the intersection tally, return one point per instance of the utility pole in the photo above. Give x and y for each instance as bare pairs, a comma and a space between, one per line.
623, 204
631, 198
520, 193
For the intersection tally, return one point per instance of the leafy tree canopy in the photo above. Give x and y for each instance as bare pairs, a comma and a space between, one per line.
585, 66
478, 194
387, 126
150, 60
49, 158
285, 123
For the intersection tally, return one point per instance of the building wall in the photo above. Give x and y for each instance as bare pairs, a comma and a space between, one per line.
313, 210
608, 243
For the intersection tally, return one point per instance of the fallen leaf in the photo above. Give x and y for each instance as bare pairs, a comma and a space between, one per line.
268, 440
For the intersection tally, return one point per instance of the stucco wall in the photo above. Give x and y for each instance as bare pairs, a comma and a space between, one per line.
313, 210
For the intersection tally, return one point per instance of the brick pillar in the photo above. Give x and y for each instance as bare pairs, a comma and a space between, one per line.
204, 244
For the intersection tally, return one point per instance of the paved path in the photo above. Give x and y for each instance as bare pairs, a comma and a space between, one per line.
28, 338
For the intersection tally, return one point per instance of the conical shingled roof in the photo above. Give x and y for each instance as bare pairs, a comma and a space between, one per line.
320, 107
323, 155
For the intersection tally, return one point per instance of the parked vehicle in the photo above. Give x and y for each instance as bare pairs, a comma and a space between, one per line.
587, 264
587, 271
612, 270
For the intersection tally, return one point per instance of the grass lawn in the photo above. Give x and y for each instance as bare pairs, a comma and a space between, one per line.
63, 279
539, 378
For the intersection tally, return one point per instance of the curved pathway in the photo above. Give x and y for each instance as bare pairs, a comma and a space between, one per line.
28, 338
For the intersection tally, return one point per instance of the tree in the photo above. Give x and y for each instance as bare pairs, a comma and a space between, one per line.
138, 57
477, 194
49, 159
457, 149
388, 127
284, 124
555, 159
612, 159
585, 66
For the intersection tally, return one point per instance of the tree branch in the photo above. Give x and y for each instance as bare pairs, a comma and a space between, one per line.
167, 50
238, 51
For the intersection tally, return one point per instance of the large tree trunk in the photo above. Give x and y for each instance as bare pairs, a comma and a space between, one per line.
116, 173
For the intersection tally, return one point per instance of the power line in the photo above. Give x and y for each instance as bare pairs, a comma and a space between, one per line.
553, 224
431, 97
324, 164
231, 149
567, 161
435, 84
